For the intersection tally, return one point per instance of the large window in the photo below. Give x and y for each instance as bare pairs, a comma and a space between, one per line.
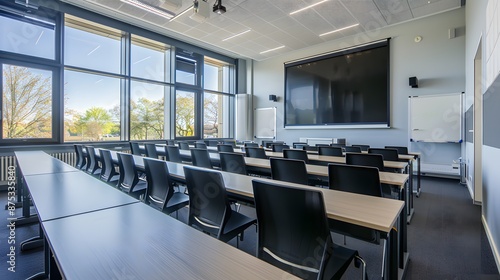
185, 113
26, 102
147, 111
150, 59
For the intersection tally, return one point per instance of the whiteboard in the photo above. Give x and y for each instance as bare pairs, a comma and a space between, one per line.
265, 123
436, 118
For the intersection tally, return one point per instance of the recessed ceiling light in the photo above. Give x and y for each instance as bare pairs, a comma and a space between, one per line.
236, 35
280, 47
183, 12
151, 9
340, 29
308, 7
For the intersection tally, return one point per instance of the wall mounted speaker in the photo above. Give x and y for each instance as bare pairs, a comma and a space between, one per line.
273, 98
413, 81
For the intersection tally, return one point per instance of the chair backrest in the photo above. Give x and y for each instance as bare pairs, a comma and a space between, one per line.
337, 145
183, 145
279, 147
159, 189
251, 145
354, 178
92, 163
310, 148
230, 142
296, 154
289, 170
233, 162
170, 142
330, 151
255, 152
128, 172
201, 158
296, 231
200, 145
225, 148
373, 160
173, 154
363, 147
352, 149
298, 145
80, 157
151, 150
209, 206
388, 154
212, 143
107, 165
322, 145
401, 150
135, 149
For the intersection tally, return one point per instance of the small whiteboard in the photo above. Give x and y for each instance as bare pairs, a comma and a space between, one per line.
436, 118
265, 123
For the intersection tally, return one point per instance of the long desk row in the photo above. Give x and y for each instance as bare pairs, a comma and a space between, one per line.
97, 232
376, 213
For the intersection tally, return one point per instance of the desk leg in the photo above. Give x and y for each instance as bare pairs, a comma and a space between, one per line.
409, 193
33, 243
46, 254
391, 268
26, 217
418, 177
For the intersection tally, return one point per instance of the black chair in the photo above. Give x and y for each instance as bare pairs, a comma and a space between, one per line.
81, 161
129, 181
279, 147
201, 158
322, 145
233, 162
373, 160
173, 154
108, 171
294, 235
135, 149
298, 145
151, 150
200, 145
160, 192
183, 145
401, 150
255, 152
330, 151
170, 143
92, 162
209, 207
310, 148
388, 154
289, 170
250, 145
225, 148
212, 143
230, 142
363, 147
352, 149
296, 154
337, 145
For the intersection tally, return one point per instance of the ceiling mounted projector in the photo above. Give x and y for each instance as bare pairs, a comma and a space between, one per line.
201, 11
218, 8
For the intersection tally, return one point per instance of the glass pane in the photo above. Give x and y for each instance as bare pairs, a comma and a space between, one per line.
91, 107
184, 113
185, 71
216, 75
27, 38
150, 59
27, 102
215, 116
92, 46
147, 111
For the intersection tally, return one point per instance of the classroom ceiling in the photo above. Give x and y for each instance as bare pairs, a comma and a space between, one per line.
269, 22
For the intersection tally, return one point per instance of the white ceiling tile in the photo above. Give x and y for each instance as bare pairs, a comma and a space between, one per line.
195, 33
433, 7
366, 13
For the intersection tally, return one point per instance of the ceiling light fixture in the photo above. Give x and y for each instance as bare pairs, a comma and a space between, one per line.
151, 9
280, 47
218, 8
340, 29
183, 12
241, 33
308, 7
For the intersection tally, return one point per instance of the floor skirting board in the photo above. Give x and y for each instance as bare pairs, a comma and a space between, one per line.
493, 245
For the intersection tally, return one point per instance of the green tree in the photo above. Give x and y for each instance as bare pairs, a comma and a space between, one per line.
184, 116
147, 119
94, 123
27, 103
211, 115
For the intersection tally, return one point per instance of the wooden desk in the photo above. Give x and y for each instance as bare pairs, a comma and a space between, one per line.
138, 242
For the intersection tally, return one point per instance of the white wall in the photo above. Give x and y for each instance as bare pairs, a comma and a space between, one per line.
437, 61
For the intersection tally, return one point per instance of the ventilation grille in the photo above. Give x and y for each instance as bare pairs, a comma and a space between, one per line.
6, 161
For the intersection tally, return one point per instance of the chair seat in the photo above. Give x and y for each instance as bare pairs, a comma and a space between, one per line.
176, 202
339, 262
139, 189
235, 224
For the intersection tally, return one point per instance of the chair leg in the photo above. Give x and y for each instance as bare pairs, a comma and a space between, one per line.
363, 270
383, 259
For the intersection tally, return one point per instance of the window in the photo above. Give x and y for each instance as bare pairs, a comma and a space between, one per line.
185, 114
215, 115
216, 75
185, 71
91, 107
26, 102
147, 111
34, 37
150, 59
92, 46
